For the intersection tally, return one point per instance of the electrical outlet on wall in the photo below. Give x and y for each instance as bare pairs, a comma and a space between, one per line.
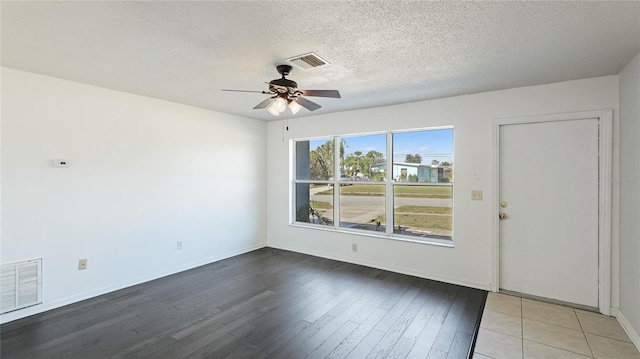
179, 245
82, 264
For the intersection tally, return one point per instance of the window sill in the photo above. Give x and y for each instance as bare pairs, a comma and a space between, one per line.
394, 237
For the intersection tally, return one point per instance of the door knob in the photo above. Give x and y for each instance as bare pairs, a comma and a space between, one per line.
504, 216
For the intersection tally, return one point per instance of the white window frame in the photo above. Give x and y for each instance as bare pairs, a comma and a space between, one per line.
389, 190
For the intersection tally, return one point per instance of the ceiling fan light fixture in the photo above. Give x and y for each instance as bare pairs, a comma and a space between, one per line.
273, 111
280, 105
294, 107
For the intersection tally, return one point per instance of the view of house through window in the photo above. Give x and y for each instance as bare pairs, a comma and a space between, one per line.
360, 187
423, 188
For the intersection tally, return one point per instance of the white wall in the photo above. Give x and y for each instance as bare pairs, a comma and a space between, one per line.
629, 186
471, 261
144, 174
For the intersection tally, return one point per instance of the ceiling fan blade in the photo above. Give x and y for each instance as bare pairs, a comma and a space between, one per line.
263, 92
265, 103
321, 93
309, 105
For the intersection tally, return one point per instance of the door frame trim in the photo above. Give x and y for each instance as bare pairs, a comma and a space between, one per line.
605, 140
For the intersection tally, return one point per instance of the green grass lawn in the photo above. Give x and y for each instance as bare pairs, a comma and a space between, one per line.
423, 209
423, 221
400, 191
424, 191
320, 205
430, 218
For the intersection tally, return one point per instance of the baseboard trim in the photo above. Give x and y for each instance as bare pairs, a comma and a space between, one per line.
27, 312
470, 284
633, 335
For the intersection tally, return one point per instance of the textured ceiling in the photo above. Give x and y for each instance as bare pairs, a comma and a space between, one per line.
381, 52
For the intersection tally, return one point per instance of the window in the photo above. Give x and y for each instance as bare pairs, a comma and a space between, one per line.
423, 187
362, 201
360, 188
314, 161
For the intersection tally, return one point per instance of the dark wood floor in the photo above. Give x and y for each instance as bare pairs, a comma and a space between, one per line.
265, 304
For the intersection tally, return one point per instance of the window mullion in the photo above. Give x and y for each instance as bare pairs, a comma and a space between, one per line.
293, 182
388, 197
336, 178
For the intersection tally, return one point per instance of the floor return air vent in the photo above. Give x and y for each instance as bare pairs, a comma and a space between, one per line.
21, 285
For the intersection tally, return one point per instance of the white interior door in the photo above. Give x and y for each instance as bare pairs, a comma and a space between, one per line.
549, 184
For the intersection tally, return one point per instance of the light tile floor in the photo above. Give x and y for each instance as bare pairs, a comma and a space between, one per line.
514, 327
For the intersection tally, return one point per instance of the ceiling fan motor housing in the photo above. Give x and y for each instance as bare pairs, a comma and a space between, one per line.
284, 70
282, 85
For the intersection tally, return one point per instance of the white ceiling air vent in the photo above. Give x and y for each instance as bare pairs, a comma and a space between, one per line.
308, 61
